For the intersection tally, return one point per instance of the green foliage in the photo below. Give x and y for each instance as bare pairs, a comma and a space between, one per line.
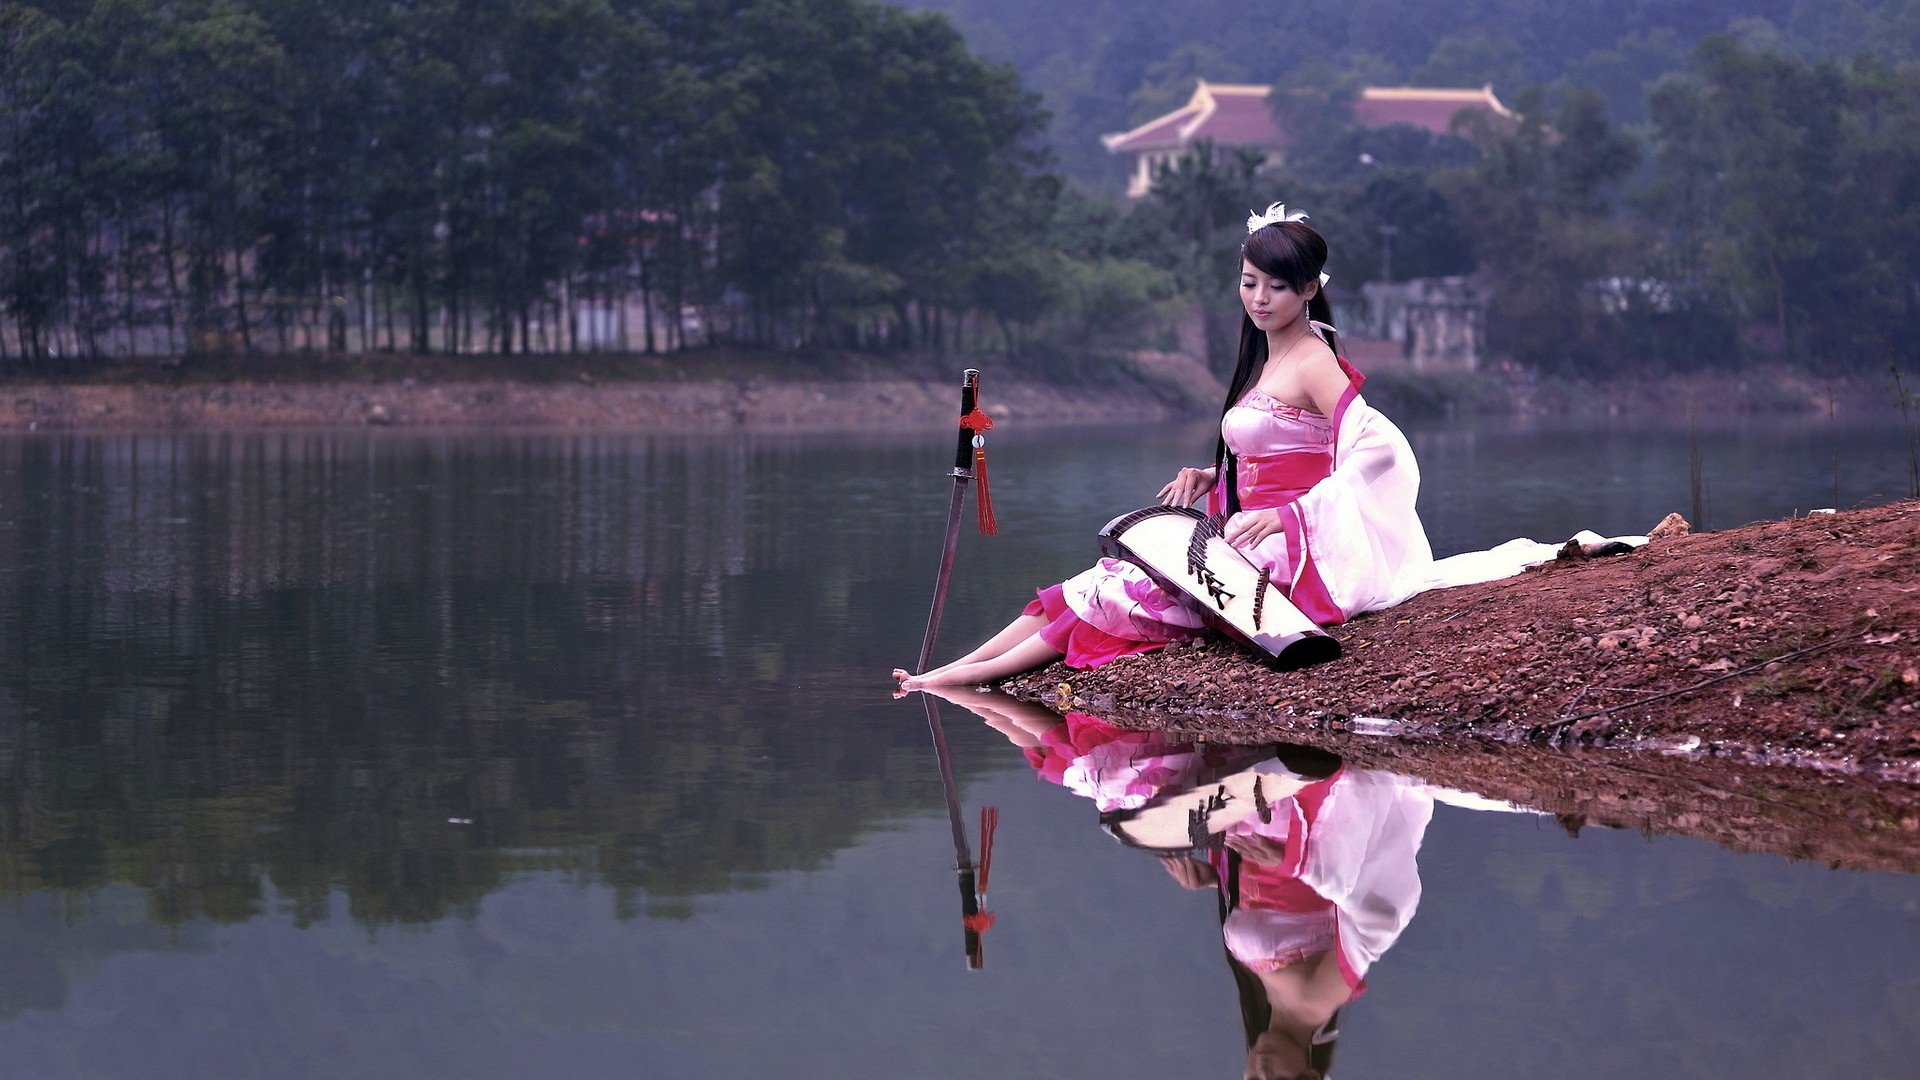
1787, 187
1168, 84
247, 176
1116, 301
262, 175
1539, 200
1090, 59
1404, 394
1767, 211
1475, 58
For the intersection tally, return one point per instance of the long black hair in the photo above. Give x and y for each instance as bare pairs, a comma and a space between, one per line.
1256, 1007
1295, 253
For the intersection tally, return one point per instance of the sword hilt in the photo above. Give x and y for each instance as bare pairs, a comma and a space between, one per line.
969, 397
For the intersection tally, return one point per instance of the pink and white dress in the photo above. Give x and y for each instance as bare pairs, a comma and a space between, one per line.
1349, 882
1117, 768
1350, 538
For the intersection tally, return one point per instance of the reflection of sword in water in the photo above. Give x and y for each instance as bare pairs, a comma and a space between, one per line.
973, 920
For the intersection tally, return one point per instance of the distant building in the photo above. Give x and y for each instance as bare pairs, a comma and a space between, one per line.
1434, 324
1239, 116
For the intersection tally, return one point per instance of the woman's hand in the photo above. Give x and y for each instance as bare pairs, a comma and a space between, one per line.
1189, 873
1259, 849
1189, 485
1249, 528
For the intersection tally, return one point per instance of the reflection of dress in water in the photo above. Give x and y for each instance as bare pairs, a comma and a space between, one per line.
1348, 883
1350, 879
1118, 769
1350, 540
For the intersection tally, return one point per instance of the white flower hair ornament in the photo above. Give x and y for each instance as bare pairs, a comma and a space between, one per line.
1277, 213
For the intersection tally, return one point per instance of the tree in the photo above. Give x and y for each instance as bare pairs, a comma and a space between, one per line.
1541, 206
34, 293
1749, 151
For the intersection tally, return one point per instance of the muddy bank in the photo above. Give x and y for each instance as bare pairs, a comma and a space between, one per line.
1850, 821
1792, 642
702, 392
724, 389
763, 405
1841, 819
1844, 821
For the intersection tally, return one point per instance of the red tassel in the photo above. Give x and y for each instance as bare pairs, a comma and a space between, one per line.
989, 525
979, 423
989, 823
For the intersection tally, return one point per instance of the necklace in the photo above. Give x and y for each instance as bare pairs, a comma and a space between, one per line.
1305, 332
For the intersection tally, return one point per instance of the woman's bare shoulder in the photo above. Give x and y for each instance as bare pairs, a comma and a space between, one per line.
1317, 362
1322, 377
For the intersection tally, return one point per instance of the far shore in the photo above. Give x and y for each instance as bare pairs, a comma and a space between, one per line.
888, 404
722, 390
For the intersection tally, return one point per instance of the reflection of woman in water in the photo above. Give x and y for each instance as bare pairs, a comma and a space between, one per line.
1315, 486
1313, 862
1309, 898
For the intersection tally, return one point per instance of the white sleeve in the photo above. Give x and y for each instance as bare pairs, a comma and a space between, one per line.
1361, 526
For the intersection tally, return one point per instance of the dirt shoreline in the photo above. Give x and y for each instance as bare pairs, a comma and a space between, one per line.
755, 391
1783, 643
764, 405
1849, 820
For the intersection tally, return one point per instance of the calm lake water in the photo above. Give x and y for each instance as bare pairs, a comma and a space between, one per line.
381, 754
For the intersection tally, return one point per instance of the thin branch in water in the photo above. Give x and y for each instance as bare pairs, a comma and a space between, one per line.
1907, 403
1565, 721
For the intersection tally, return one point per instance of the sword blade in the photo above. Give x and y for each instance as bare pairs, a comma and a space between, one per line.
945, 576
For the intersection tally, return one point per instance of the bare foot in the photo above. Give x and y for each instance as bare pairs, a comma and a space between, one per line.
940, 677
906, 682
970, 695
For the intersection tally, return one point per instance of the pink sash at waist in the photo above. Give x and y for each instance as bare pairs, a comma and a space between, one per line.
1278, 479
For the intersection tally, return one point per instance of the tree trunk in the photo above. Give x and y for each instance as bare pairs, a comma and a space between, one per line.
422, 328
240, 300
572, 311
1780, 305
646, 306
129, 274
393, 327
173, 277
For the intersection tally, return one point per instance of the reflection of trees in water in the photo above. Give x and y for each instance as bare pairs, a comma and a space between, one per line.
46, 940
247, 513
291, 659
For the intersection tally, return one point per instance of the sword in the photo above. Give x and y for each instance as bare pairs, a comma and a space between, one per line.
962, 473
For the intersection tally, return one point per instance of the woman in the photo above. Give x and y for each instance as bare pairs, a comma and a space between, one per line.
1315, 486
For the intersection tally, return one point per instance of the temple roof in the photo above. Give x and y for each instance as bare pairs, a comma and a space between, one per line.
1423, 107
1238, 115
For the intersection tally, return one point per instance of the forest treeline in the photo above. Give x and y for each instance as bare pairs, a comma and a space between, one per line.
1683, 184
1107, 65
1692, 183
486, 175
